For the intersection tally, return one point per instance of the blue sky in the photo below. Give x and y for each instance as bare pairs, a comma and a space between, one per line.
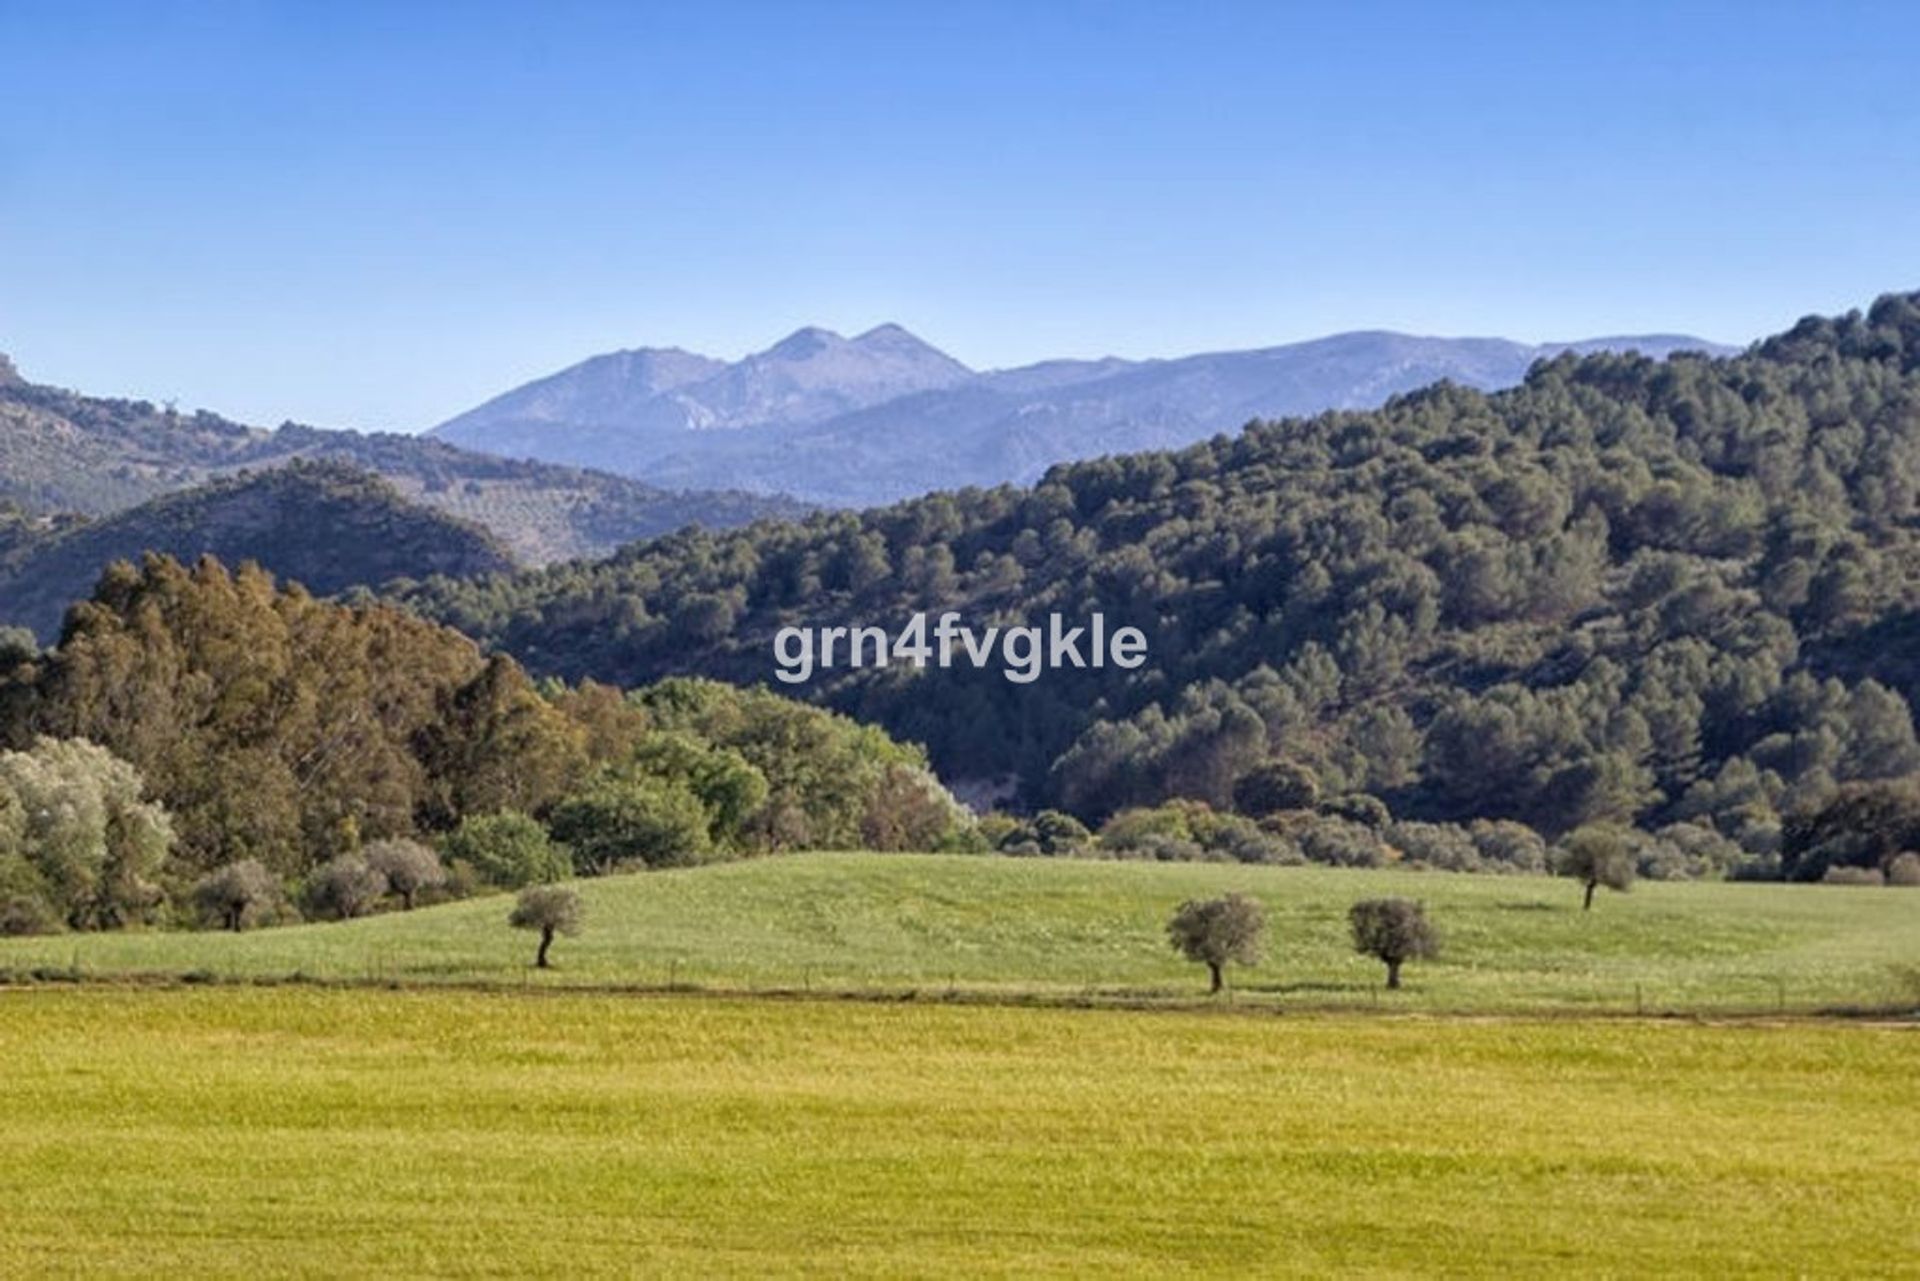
377, 215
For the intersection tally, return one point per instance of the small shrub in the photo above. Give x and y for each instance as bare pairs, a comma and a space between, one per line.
1358, 807
1339, 842
1445, 847
1840, 874
1904, 870
1507, 846
508, 849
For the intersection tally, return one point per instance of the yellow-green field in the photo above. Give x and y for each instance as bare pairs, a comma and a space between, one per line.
250, 1131
1063, 928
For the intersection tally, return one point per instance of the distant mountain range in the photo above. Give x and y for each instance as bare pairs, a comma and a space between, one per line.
63, 453
884, 415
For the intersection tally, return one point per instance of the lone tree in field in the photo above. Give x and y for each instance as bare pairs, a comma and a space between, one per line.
236, 894
408, 866
1598, 855
1215, 931
1393, 930
551, 909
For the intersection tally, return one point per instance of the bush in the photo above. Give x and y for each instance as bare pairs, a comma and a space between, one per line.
619, 822
1506, 846
1904, 870
1188, 830
1275, 786
1059, 833
1339, 842
1445, 847
1685, 851
1158, 847
508, 849
1358, 807
343, 888
1840, 874
910, 810
407, 866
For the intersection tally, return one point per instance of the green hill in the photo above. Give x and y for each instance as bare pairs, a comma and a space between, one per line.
63, 452
1062, 927
327, 526
1678, 591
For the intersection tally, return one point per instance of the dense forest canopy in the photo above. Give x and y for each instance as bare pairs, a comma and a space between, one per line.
204, 729
1626, 590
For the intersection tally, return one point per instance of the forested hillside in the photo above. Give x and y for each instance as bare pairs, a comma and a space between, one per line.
201, 741
62, 452
326, 525
1626, 589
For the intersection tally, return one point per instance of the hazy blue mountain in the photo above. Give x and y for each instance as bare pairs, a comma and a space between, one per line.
600, 413
885, 415
65, 453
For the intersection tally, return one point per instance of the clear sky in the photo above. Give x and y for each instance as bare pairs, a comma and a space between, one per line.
379, 214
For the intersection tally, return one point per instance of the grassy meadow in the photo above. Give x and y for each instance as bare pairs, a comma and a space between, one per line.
1070, 928
867, 922
301, 1131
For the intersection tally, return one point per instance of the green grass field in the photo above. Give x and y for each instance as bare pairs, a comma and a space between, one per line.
298, 1131
1063, 928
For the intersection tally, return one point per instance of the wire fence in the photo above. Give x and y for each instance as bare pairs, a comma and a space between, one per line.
1893, 994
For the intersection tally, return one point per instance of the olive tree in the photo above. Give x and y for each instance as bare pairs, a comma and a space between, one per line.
1595, 855
236, 895
551, 909
407, 866
344, 887
1393, 930
1216, 931
78, 843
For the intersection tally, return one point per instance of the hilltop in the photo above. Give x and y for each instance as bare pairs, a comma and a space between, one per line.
326, 525
62, 452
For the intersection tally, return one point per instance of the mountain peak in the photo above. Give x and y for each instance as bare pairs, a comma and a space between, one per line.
888, 334
808, 340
